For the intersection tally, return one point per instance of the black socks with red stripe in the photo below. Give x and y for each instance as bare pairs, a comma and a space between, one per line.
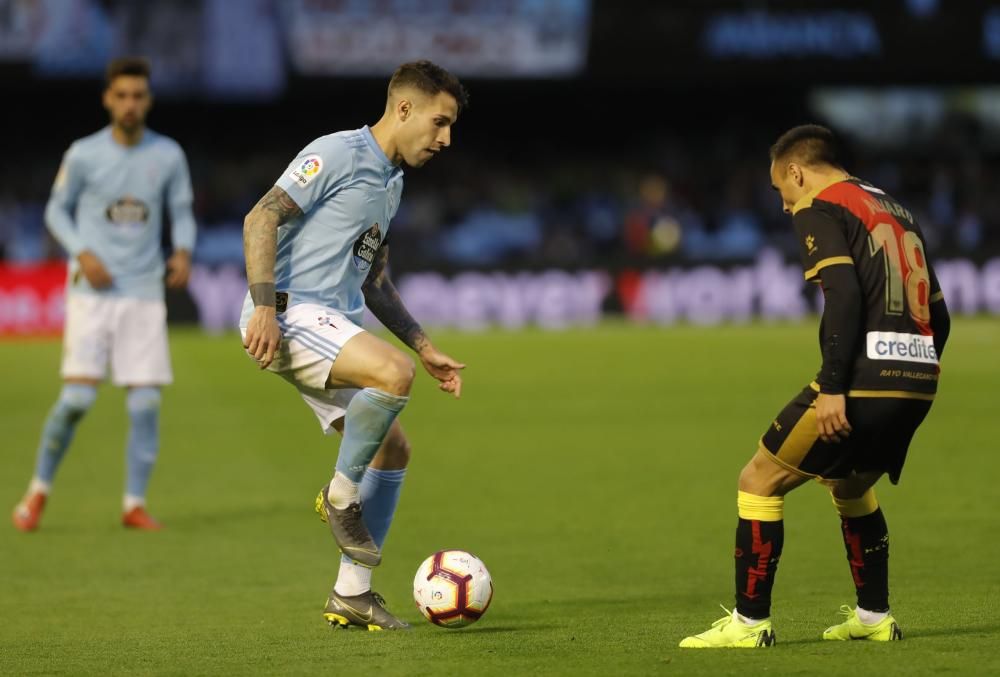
867, 542
758, 549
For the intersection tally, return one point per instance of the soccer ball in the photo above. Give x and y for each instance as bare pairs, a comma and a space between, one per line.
452, 588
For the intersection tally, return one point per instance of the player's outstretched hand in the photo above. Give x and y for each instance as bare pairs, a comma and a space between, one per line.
178, 269
263, 336
831, 417
95, 272
444, 369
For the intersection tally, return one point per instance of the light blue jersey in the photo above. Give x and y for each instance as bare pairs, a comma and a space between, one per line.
348, 192
108, 198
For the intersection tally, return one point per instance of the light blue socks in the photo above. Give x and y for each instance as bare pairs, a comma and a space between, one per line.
74, 401
143, 404
366, 422
380, 491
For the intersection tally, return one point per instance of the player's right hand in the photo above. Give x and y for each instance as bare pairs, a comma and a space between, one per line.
97, 275
263, 337
831, 418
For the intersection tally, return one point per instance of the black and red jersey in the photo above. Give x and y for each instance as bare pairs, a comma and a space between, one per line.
853, 223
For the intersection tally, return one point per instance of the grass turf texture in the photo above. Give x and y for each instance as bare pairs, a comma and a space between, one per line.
593, 471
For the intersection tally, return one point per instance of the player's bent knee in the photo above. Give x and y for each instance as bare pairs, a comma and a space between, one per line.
842, 491
754, 474
78, 398
143, 398
854, 487
762, 476
396, 375
748, 479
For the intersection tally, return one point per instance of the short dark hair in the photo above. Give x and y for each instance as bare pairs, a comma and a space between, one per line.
429, 78
126, 65
809, 144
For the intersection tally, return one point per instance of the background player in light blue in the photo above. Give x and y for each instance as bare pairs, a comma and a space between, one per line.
105, 210
316, 251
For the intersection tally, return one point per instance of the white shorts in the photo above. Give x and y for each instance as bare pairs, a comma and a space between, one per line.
129, 334
311, 338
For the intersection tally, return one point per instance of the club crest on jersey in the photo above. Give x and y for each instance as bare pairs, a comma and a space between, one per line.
127, 211
811, 244
307, 171
366, 246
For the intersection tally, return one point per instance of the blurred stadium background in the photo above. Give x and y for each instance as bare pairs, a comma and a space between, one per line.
613, 160
604, 216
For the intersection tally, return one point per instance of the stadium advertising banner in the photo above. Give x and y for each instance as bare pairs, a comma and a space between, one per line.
508, 38
767, 289
223, 49
844, 41
32, 298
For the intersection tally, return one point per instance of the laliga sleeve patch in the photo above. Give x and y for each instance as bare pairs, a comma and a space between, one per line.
307, 170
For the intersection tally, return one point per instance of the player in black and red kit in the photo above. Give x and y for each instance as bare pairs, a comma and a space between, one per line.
884, 327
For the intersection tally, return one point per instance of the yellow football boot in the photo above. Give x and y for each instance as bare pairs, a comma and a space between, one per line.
885, 630
731, 632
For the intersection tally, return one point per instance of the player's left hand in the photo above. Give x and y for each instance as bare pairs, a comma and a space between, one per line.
444, 369
831, 417
179, 269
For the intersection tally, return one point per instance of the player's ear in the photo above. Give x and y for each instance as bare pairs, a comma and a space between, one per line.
404, 107
795, 172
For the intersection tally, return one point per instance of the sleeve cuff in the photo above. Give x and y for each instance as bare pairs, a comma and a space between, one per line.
831, 261
828, 389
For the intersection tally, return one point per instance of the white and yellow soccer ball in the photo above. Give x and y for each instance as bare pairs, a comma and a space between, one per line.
452, 588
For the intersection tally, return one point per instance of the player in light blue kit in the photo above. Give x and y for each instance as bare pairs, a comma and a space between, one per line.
316, 252
105, 211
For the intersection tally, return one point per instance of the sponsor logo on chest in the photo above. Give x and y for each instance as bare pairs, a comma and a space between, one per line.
366, 246
127, 211
890, 345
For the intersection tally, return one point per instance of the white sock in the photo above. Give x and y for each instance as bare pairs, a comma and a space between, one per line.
746, 621
131, 501
342, 491
871, 617
38, 486
353, 579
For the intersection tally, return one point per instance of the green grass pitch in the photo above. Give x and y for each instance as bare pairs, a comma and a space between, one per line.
593, 471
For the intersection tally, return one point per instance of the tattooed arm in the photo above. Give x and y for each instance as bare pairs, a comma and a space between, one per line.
383, 300
260, 243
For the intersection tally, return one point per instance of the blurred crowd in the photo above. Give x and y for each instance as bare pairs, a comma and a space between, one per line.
673, 199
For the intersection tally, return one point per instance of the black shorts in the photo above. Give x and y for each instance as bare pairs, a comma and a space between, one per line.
882, 428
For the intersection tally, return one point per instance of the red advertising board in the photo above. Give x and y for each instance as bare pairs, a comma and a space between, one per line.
32, 299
